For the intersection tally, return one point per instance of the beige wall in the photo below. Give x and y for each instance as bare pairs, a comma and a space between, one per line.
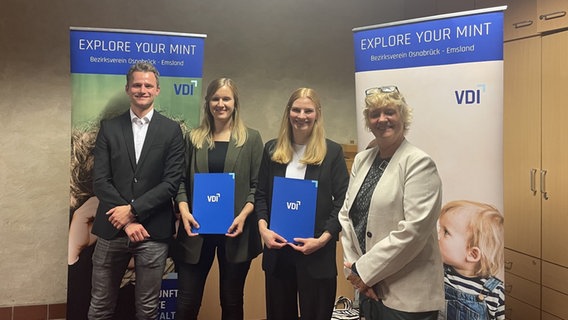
269, 47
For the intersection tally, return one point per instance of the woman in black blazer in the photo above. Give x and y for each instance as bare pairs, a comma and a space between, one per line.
222, 143
303, 270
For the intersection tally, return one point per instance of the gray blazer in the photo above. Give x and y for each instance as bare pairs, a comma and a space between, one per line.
244, 161
402, 261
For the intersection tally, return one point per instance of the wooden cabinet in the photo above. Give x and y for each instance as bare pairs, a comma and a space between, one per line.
522, 145
554, 148
552, 15
520, 17
515, 309
536, 176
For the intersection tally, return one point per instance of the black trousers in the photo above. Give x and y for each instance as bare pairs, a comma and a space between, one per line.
376, 310
288, 288
192, 277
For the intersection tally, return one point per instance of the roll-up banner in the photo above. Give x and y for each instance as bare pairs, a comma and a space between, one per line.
100, 59
450, 70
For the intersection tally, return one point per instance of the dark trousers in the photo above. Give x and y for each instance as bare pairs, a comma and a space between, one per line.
110, 260
287, 286
376, 310
192, 277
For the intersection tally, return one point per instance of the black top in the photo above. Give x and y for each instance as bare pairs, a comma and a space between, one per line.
217, 157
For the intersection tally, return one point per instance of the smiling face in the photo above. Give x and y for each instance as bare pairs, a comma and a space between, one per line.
386, 125
303, 115
142, 89
222, 104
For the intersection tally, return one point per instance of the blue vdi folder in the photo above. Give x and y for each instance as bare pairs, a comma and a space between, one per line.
293, 210
213, 202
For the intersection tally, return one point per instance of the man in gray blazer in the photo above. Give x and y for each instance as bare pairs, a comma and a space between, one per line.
139, 158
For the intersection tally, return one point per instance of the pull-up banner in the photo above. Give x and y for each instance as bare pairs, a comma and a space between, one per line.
450, 70
100, 60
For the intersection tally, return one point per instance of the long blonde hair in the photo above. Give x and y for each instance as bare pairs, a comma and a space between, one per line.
204, 133
316, 147
485, 232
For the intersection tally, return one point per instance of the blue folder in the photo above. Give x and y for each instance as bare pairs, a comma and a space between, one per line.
213, 202
293, 210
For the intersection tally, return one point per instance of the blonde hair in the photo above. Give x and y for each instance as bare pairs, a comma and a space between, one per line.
204, 133
485, 232
316, 147
395, 99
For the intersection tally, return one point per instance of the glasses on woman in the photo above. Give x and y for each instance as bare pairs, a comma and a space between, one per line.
383, 89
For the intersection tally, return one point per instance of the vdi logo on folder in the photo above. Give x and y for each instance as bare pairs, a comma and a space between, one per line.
293, 210
213, 202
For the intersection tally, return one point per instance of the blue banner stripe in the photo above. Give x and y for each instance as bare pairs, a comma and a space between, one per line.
101, 52
437, 42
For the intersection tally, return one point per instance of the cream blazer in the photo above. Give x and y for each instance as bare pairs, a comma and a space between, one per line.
402, 261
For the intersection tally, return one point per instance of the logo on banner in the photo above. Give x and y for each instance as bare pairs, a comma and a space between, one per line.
470, 96
185, 89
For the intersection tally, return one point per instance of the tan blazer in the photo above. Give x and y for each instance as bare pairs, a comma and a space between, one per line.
402, 261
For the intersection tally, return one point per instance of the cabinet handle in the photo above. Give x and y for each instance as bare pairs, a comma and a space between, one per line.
508, 265
522, 24
533, 184
508, 313
543, 184
553, 15
508, 288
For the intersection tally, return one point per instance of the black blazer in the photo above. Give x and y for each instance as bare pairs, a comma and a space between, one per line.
333, 180
147, 186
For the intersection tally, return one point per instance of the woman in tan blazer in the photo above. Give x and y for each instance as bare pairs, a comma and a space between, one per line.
389, 218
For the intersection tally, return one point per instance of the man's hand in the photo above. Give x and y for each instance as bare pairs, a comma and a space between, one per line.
120, 216
136, 232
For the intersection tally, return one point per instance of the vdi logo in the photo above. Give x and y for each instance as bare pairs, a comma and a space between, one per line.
214, 197
185, 89
293, 205
470, 96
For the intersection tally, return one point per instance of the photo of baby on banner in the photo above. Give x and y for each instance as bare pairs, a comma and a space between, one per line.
470, 236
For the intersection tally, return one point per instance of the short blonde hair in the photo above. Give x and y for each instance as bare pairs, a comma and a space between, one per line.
485, 232
379, 99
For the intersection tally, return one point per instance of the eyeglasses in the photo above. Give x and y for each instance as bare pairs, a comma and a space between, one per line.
383, 89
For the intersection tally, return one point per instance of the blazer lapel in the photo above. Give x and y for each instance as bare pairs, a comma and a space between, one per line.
129, 138
151, 134
202, 158
365, 167
232, 156
312, 172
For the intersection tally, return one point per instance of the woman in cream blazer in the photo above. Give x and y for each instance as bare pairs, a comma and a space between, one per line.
390, 246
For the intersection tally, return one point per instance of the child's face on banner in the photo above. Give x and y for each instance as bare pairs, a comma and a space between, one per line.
453, 235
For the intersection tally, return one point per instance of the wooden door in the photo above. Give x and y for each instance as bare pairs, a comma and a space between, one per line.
521, 140
555, 147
